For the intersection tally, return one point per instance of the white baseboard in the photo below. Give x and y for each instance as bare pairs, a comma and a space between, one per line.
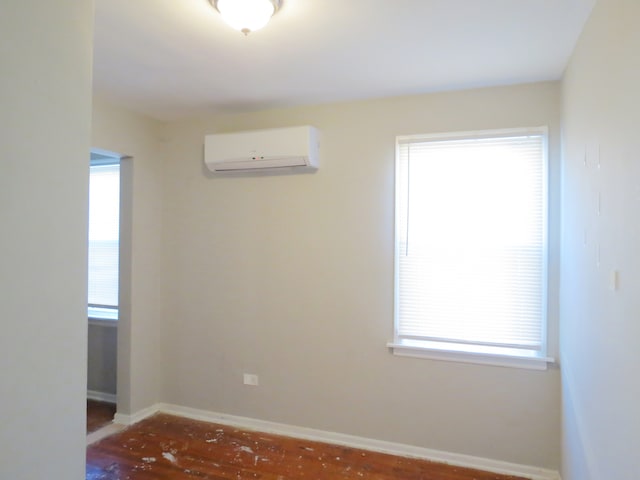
104, 432
123, 419
101, 396
486, 464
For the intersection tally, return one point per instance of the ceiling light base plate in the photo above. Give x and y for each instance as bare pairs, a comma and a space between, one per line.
246, 16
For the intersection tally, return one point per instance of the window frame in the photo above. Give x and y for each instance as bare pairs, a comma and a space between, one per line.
470, 353
105, 315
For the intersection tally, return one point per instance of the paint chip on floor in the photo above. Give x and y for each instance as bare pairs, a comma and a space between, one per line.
170, 457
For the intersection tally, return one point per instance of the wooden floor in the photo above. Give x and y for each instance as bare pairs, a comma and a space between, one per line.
167, 447
99, 414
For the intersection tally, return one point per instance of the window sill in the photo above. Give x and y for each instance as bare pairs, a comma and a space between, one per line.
496, 356
102, 314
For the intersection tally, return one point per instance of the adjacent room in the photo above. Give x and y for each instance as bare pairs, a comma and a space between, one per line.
403, 229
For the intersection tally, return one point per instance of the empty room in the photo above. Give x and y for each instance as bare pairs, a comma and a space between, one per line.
349, 239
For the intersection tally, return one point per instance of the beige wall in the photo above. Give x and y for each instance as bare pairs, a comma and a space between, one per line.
139, 365
291, 278
600, 328
102, 358
45, 98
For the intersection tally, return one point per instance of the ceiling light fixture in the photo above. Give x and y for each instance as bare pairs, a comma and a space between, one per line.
246, 15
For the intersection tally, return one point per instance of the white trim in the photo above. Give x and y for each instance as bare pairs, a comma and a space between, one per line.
104, 432
101, 396
124, 419
471, 134
486, 464
482, 358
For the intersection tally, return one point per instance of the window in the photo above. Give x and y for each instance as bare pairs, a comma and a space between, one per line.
471, 242
104, 233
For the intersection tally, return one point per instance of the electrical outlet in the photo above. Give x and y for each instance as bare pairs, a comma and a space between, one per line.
251, 379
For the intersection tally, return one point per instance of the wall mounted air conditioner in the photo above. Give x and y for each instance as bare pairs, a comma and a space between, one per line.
290, 149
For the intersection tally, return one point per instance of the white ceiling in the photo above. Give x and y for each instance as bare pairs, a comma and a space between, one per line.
175, 58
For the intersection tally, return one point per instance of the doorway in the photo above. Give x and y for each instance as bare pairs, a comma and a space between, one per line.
103, 287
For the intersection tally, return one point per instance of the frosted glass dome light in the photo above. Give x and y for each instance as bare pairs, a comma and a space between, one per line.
246, 15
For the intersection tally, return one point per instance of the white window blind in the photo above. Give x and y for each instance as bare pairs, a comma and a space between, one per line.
471, 241
104, 233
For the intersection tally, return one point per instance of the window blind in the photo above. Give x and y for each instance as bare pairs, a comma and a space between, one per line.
104, 227
471, 239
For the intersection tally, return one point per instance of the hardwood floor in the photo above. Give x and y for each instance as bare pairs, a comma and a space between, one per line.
99, 414
168, 447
